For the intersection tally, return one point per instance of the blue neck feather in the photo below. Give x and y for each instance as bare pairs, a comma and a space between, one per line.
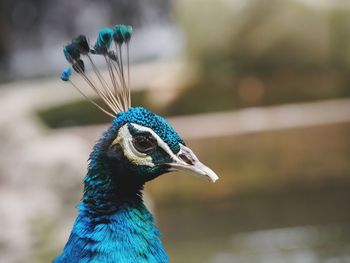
125, 236
113, 225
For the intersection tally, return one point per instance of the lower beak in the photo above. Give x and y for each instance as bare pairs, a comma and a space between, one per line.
188, 162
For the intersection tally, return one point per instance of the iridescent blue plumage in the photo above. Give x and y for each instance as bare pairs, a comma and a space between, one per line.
113, 225
104, 40
126, 236
66, 73
122, 33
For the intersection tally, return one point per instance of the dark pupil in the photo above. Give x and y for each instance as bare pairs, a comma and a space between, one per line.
143, 144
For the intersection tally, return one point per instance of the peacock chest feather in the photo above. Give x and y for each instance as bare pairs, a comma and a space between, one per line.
127, 235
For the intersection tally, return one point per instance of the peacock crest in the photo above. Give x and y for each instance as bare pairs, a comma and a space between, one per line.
112, 45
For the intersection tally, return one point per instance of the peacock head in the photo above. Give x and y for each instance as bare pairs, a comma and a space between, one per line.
148, 146
140, 143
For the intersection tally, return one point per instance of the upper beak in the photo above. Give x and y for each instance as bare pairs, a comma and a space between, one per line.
188, 162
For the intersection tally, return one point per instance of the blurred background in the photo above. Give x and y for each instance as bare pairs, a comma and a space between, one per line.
259, 89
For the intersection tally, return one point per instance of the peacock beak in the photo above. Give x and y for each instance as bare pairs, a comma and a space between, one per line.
188, 162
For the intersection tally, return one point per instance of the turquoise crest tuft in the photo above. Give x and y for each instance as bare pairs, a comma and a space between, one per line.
122, 33
104, 40
115, 91
67, 72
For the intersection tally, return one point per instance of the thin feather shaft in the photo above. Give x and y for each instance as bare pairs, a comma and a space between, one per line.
99, 92
104, 84
90, 100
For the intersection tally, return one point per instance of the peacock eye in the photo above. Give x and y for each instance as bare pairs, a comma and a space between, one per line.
144, 144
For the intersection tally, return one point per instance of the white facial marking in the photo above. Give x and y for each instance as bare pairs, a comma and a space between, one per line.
124, 139
160, 142
184, 160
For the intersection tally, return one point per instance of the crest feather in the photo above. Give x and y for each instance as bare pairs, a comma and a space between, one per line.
114, 90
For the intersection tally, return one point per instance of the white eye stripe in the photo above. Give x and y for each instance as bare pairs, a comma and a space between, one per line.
160, 142
124, 139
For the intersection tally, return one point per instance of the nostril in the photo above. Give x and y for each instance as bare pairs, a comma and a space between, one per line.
185, 158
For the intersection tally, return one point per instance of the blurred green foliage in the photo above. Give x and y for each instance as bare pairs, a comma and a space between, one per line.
263, 52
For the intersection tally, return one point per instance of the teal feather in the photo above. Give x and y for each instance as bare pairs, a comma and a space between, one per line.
126, 236
122, 33
128, 33
66, 73
113, 225
82, 44
104, 40
71, 52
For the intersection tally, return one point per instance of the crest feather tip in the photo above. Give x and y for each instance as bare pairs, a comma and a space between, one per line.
66, 73
113, 90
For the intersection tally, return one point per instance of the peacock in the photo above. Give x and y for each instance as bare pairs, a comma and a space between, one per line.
113, 224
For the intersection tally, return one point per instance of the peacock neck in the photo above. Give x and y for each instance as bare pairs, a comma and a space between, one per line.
109, 185
113, 224
107, 189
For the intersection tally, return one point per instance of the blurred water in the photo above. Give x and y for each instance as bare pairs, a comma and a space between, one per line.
309, 226
310, 244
